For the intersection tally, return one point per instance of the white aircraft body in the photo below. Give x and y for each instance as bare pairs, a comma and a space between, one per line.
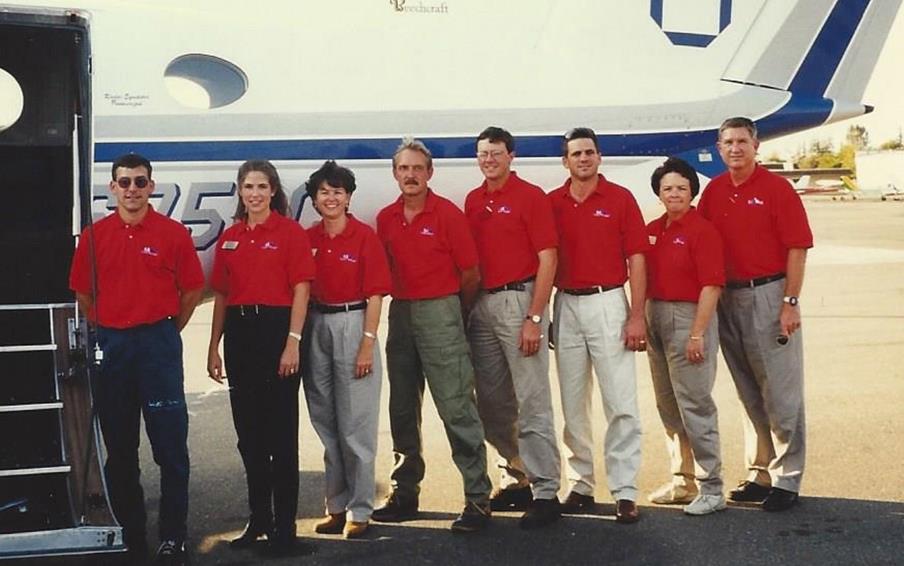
300, 82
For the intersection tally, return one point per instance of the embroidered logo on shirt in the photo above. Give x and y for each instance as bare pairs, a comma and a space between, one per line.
148, 250
427, 231
268, 245
348, 257
679, 241
755, 202
600, 213
504, 209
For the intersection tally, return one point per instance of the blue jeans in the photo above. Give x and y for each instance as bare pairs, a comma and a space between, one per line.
141, 372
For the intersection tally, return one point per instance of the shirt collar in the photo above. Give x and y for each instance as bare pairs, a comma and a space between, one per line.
268, 224
599, 191
351, 228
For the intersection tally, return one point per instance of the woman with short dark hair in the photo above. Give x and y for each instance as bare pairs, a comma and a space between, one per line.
685, 275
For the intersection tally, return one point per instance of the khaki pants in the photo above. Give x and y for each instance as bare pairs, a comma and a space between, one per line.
684, 394
589, 336
770, 383
513, 392
344, 410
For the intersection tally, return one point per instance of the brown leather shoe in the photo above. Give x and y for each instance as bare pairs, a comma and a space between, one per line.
626, 511
332, 524
354, 529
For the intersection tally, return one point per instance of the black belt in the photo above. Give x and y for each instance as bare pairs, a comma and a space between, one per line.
332, 309
749, 283
254, 310
590, 290
512, 286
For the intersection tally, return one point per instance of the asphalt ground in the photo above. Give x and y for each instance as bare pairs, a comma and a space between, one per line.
852, 505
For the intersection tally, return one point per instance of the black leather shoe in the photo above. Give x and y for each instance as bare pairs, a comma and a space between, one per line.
473, 518
395, 509
171, 553
626, 511
577, 503
249, 537
511, 499
540, 513
748, 492
283, 542
779, 500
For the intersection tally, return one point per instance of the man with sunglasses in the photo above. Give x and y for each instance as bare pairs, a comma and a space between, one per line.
516, 240
602, 243
766, 233
137, 277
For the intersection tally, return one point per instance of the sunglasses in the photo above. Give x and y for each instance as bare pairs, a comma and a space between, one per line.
126, 182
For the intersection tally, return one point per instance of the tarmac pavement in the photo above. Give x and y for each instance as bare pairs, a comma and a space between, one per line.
852, 506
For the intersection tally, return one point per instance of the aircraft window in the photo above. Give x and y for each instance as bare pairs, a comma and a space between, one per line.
204, 81
11, 100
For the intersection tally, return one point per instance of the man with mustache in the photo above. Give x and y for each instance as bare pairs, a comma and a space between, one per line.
433, 262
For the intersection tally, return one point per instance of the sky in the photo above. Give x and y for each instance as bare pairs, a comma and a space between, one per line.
885, 91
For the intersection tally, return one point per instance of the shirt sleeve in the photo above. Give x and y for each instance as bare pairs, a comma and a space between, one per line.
634, 231
301, 260
791, 218
80, 272
459, 238
541, 223
709, 257
189, 274
219, 277
377, 280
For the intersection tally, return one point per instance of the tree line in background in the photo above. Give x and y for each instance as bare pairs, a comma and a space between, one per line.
822, 154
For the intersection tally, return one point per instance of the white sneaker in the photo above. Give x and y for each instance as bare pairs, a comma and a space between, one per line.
671, 494
705, 504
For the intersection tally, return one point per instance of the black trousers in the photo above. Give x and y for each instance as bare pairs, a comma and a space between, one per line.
264, 411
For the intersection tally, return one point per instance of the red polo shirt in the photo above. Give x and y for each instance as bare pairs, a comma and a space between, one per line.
759, 220
141, 269
510, 225
428, 255
684, 258
262, 265
597, 235
350, 266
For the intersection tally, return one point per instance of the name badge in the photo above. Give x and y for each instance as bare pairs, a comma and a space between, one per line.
230, 245
652, 240
314, 252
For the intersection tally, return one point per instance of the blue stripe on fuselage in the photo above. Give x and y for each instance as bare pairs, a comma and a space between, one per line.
797, 114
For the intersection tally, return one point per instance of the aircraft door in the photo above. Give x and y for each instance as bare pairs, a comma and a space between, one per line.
52, 497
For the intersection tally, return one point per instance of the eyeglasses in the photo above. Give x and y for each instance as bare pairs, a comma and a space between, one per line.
126, 182
495, 154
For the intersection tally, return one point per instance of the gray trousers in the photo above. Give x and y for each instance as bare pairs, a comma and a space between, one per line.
427, 342
344, 410
513, 392
684, 394
589, 336
770, 383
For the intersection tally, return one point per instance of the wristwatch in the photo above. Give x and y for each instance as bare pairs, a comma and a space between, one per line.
791, 300
535, 318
